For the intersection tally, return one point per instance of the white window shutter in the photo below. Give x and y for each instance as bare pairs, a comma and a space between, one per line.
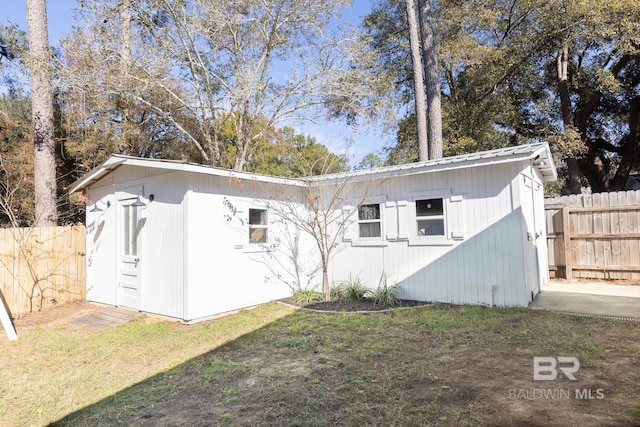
456, 217
349, 229
390, 220
404, 219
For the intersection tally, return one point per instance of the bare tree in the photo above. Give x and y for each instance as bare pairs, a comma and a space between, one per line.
287, 259
225, 68
42, 114
328, 206
434, 108
418, 81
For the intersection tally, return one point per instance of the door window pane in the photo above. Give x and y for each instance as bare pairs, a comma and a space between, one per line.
130, 229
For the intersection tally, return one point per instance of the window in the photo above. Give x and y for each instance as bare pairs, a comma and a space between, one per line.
257, 226
430, 217
369, 222
130, 230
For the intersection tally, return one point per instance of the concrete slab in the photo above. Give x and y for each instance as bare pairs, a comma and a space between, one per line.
593, 288
597, 299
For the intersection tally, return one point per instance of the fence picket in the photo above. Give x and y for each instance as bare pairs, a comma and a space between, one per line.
41, 267
598, 237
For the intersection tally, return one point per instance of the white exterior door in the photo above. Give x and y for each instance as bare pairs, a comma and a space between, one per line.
542, 254
129, 280
532, 278
536, 246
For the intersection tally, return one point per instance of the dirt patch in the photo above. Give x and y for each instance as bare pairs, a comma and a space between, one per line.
59, 313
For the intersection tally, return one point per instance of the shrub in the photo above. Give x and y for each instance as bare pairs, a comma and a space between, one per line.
385, 294
305, 296
337, 292
351, 290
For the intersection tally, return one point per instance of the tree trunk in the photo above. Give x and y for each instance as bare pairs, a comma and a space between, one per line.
431, 80
124, 12
631, 152
567, 114
326, 290
418, 82
42, 115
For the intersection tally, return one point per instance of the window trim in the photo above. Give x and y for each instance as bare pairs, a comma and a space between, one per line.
352, 227
370, 221
430, 240
264, 226
428, 218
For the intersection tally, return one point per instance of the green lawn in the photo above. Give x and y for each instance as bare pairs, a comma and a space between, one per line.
273, 366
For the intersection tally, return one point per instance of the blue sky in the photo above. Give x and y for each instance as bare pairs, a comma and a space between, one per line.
59, 14
339, 137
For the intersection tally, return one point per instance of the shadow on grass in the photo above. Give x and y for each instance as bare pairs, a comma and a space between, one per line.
439, 364
193, 393
274, 375
303, 369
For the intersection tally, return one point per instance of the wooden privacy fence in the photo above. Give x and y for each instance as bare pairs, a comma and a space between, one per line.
594, 236
41, 267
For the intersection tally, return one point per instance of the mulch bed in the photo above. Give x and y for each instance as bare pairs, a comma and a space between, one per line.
365, 305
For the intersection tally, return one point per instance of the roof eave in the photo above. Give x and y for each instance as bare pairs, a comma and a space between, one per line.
109, 165
543, 161
547, 171
117, 160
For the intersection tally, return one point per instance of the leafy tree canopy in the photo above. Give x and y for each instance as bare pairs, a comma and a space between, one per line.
499, 78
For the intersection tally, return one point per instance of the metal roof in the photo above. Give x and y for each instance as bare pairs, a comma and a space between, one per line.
117, 160
538, 153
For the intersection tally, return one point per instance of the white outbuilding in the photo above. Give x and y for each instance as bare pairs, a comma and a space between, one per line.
190, 241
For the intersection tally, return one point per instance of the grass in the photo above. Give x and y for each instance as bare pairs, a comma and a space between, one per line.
273, 366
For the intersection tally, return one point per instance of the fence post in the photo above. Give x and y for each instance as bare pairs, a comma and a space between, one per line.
567, 242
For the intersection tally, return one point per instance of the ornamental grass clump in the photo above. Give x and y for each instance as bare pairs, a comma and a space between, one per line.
351, 290
306, 296
384, 294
